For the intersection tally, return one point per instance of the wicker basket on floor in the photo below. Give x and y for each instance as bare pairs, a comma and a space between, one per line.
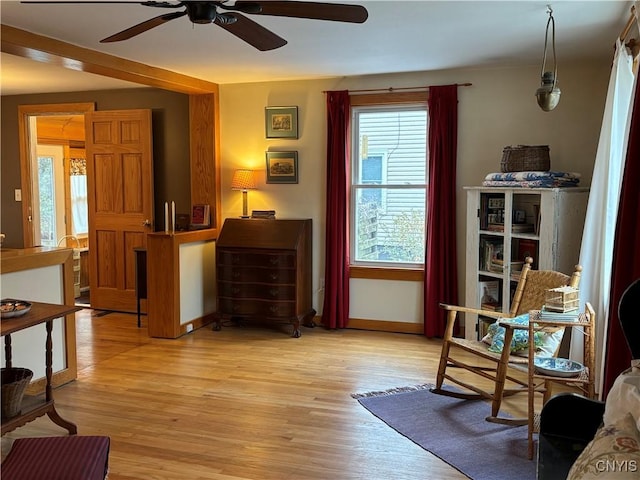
14, 383
525, 158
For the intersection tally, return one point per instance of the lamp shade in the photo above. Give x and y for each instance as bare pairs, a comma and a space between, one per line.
243, 180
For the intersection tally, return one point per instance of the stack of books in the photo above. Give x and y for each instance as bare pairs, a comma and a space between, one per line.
491, 307
498, 265
263, 214
550, 315
522, 228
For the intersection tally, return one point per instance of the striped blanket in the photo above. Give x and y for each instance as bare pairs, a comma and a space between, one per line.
532, 179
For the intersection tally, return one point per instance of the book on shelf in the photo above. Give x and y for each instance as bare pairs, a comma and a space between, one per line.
551, 315
522, 228
491, 209
489, 292
200, 216
514, 264
528, 248
491, 307
536, 217
489, 249
515, 227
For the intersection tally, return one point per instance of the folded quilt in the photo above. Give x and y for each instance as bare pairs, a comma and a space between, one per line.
532, 179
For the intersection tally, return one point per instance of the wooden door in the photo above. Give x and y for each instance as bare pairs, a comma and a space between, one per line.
120, 191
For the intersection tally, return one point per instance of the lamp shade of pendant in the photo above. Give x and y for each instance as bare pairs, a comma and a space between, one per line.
548, 95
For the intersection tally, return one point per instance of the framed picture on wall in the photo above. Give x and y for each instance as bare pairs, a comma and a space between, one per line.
282, 167
281, 122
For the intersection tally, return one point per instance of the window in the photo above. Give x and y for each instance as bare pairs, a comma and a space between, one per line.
47, 189
389, 177
78, 197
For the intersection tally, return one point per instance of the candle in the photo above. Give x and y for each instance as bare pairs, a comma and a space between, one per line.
166, 217
173, 217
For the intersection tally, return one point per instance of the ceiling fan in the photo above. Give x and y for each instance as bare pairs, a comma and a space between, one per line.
231, 17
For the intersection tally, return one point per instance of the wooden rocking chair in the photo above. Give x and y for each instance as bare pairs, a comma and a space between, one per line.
529, 295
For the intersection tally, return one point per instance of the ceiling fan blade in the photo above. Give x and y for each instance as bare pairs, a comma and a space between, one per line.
142, 27
253, 33
83, 2
337, 12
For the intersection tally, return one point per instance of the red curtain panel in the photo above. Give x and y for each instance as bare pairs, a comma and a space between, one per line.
440, 266
335, 311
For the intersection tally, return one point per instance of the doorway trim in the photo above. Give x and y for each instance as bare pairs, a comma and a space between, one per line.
25, 112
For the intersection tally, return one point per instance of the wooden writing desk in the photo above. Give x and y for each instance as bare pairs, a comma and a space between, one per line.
35, 406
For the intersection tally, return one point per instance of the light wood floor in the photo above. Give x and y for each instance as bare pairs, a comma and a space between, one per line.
245, 402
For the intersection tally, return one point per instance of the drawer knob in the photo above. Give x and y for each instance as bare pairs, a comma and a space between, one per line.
274, 260
273, 308
274, 276
274, 292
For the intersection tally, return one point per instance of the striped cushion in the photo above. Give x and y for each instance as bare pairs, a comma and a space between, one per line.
57, 458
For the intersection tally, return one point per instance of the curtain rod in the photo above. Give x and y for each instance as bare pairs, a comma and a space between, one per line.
627, 27
392, 89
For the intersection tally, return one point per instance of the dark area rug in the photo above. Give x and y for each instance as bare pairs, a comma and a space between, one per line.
455, 431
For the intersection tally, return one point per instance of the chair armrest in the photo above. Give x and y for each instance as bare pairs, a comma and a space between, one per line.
512, 326
568, 422
486, 313
571, 416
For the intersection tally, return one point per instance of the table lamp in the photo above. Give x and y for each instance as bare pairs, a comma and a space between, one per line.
243, 180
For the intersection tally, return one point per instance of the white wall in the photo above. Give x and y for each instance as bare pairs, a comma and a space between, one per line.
499, 109
43, 284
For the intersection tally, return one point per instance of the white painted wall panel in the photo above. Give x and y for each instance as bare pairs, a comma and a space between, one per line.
38, 285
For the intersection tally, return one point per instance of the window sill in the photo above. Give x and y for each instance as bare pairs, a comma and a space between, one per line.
377, 273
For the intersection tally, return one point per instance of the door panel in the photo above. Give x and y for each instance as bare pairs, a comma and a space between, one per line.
120, 180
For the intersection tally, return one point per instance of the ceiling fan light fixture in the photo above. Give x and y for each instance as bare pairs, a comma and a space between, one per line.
202, 12
548, 94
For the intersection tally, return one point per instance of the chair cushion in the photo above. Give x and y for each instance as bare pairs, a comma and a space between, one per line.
546, 343
520, 339
57, 458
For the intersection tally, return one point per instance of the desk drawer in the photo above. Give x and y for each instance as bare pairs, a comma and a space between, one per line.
259, 308
254, 274
256, 290
257, 259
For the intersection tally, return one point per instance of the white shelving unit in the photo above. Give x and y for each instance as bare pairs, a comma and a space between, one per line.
511, 223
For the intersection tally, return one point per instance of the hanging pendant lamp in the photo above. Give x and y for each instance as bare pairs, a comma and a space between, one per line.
548, 94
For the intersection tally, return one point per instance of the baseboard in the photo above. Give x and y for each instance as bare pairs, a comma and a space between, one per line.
380, 325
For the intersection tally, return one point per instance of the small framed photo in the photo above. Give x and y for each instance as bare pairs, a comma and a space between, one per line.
281, 122
496, 203
200, 216
282, 167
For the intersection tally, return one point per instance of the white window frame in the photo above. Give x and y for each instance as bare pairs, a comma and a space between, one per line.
357, 185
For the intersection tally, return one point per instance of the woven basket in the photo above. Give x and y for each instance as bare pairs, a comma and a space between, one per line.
525, 158
14, 383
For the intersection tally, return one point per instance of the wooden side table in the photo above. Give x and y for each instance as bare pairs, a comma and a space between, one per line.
36, 406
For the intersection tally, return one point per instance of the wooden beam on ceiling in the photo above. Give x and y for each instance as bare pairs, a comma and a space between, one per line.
48, 50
